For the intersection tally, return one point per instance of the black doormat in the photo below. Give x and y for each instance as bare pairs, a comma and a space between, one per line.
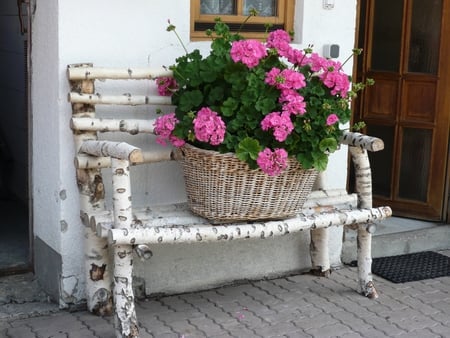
412, 267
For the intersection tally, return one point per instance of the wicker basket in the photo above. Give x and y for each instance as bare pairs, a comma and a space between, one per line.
222, 188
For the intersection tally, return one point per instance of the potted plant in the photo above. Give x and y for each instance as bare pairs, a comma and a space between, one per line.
272, 106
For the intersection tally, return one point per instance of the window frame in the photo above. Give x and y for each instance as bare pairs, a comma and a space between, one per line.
283, 20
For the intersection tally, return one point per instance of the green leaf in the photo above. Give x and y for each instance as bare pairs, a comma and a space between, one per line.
328, 145
320, 161
306, 160
229, 106
248, 148
190, 100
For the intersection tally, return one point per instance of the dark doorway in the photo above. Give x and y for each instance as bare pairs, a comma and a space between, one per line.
14, 134
406, 46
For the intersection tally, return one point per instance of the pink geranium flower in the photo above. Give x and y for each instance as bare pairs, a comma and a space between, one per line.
280, 123
209, 127
166, 85
316, 62
332, 119
272, 162
249, 52
293, 102
164, 126
285, 79
280, 39
338, 82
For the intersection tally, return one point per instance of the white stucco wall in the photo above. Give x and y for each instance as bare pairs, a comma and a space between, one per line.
118, 33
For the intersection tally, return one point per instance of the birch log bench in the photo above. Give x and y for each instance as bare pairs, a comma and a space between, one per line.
125, 232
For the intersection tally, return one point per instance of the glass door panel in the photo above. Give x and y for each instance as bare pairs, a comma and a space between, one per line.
387, 35
415, 164
425, 36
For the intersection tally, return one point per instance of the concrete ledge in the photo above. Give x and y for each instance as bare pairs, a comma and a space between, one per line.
401, 236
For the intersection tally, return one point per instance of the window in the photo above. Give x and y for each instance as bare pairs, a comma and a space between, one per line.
279, 13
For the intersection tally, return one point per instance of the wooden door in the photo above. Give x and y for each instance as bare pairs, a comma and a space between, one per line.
407, 50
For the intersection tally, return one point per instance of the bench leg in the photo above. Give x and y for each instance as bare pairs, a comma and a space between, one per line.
320, 260
98, 279
125, 313
364, 256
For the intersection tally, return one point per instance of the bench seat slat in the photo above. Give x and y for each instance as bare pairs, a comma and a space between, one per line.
197, 233
124, 99
104, 73
132, 126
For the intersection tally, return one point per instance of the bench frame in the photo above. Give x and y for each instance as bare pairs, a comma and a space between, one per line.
125, 231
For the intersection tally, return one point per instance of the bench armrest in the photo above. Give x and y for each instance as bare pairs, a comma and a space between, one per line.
119, 150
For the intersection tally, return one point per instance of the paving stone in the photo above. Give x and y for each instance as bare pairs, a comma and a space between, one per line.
269, 287
442, 330
442, 318
295, 306
373, 333
276, 330
206, 325
19, 332
419, 305
86, 333
242, 331
349, 319
182, 327
315, 322
334, 330
416, 323
434, 297
153, 306
419, 334
383, 325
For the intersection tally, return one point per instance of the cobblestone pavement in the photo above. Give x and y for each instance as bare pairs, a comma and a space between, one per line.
295, 306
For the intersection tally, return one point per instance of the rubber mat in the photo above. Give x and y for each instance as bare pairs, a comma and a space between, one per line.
412, 267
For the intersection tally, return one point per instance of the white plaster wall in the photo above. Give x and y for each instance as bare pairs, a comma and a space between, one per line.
119, 33
46, 103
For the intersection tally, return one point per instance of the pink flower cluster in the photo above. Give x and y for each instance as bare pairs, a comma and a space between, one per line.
166, 85
249, 52
330, 71
285, 79
332, 119
336, 80
164, 126
209, 127
272, 162
293, 102
280, 123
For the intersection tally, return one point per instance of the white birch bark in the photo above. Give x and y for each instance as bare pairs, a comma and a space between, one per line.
132, 126
320, 259
91, 73
362, 141
93, 162
125, 313
363, 184
364, 257
363, 176
125, 99
318, 246
119, 150
90, 184
193, 232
